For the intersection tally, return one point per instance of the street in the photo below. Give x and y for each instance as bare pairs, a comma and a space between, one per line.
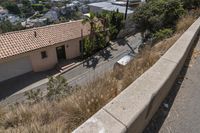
96, 66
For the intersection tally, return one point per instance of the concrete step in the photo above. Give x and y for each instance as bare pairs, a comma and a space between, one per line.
67, 66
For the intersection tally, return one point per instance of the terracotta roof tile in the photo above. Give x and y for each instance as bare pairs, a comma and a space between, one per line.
18, 42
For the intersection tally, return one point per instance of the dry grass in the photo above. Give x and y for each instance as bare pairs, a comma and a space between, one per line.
185, 22
146, 59
66, 114
63, 115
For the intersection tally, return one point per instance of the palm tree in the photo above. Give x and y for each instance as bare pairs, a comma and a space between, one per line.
92, 20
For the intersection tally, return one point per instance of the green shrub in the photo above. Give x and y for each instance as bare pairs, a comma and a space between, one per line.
163, 34
189, 4
34, 95
57, 87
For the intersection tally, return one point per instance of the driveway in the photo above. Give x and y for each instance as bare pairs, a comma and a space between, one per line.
12, 91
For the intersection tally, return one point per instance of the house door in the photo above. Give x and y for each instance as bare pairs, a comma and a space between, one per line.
61, 53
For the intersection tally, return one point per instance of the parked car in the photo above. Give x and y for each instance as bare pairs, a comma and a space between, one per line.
120, 64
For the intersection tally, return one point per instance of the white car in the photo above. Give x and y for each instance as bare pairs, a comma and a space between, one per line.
120, 64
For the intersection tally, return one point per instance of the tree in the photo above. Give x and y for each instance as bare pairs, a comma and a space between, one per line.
190, 4
157, 15
26, 9
92, 20
116, 23
11, 7
87, 46
113, 21
99, 27
7, 26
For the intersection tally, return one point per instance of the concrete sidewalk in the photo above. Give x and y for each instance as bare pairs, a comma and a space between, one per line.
180, 111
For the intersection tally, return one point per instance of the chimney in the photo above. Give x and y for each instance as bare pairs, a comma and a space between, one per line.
35, 33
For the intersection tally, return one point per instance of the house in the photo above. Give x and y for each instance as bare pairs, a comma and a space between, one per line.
91, 1
34, 22
84, 9
40, 49
14, 19
33, 1
3, 11
51, 15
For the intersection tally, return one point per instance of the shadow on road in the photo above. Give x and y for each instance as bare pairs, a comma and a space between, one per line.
91, 62
159, 117
11, 86
106, 54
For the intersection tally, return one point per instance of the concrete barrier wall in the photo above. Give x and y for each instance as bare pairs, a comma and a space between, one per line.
132, 109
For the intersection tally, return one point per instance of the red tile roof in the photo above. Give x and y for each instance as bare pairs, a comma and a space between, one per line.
18, 42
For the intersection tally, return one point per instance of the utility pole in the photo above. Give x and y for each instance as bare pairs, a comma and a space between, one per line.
127, 2
81, 44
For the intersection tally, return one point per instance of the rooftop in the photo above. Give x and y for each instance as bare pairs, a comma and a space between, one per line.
109, 6
14, 43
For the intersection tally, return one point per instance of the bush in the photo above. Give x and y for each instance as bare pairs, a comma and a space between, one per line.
163, 34
57, 87
34, 95
190, 4
38, 7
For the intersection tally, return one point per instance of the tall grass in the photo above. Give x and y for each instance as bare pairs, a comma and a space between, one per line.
186, 20
67, 113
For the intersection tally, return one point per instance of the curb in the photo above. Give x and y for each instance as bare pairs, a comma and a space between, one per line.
134, 107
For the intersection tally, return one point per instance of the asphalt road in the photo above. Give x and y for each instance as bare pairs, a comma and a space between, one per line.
87, 72
180, 111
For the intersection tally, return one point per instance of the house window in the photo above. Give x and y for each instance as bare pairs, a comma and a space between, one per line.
44, 54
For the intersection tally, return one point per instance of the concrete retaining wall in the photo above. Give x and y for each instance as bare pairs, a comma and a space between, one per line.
131, 110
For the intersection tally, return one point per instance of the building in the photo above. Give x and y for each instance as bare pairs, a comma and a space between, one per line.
14, 19
34, 22
40, 49
109, 6
52, 16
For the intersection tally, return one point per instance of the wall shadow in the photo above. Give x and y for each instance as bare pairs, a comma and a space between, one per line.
13, 85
